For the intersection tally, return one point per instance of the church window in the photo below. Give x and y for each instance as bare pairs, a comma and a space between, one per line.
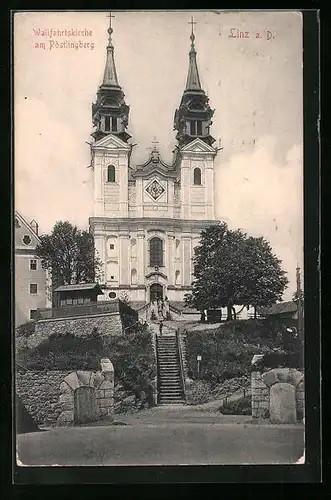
133, 277
114, 123
33, 288
33, 265
193, 127
112, 295
26, 239
177, 277
156, 252
111, 246
111, 173
107, 123
197, 176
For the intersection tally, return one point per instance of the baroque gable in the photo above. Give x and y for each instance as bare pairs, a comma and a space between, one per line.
198, 146
111, 142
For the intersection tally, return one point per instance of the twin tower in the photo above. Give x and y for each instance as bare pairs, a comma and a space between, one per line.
148, 218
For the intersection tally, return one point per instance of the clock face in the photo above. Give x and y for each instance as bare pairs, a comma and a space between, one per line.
26, 239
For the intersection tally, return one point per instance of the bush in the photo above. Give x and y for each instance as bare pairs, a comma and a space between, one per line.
198, 392
132, 355
228, 351
241, 407
26, 330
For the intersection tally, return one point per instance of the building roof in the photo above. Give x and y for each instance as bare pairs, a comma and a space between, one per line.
184, 309
280, 308
79, 286
193, 79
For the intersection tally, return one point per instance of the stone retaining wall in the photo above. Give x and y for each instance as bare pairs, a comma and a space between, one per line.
39, 391
49, 395
107, 324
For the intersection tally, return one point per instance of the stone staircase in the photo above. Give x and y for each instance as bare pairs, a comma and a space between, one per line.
169, 370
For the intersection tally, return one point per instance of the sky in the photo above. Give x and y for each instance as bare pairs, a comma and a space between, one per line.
254, 85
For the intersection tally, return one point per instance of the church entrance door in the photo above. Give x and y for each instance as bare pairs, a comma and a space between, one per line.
156, 292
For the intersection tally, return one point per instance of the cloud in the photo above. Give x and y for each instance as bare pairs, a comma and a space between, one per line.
265, 198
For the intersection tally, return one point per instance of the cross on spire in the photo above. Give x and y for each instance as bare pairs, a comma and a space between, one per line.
192, 22
110, 16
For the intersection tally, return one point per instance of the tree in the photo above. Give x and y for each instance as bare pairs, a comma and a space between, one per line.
234, 269
68, 255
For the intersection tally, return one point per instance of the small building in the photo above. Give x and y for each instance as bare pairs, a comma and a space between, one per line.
30, 277
280, 311
74, 295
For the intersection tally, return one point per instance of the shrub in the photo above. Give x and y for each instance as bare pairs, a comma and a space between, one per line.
132, 355
198, 392
241, 407
26, 330
228, 351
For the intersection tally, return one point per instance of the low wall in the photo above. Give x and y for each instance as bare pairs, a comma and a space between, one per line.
39, 391
107, 324
49, 395
261, 383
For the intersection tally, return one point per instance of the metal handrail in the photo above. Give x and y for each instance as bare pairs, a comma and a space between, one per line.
180, 354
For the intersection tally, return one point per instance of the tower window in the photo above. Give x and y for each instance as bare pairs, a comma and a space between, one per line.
111, 246
114, 123
156, 252
193, 128
197, 177
33, 265
107, 123
33, 288
111, 173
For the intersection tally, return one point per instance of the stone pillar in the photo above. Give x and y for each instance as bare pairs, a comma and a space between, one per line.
100, 247
260, 396
185, 189
106, 390
124, 185
139, 198
186, 260
171, 257
141, 256
124, 261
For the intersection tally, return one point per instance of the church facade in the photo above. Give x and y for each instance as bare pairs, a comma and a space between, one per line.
148, 218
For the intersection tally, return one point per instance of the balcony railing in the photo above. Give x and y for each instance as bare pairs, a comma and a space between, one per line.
78, 310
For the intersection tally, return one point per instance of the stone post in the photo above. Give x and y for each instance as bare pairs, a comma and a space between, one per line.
106, 390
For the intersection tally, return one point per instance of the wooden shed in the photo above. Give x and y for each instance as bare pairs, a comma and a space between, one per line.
72, 295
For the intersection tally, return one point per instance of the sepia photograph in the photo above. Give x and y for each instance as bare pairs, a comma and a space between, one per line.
158, 238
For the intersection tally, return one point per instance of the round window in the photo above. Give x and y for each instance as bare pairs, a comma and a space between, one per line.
112, 295
26, 239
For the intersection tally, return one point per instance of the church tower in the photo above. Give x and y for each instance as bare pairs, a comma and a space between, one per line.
110, 114
148, 217
195, 151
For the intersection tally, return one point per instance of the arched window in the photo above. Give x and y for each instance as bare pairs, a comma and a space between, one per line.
156, 252
133, 247
177, 277
111, 173
133, 277
197, 176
